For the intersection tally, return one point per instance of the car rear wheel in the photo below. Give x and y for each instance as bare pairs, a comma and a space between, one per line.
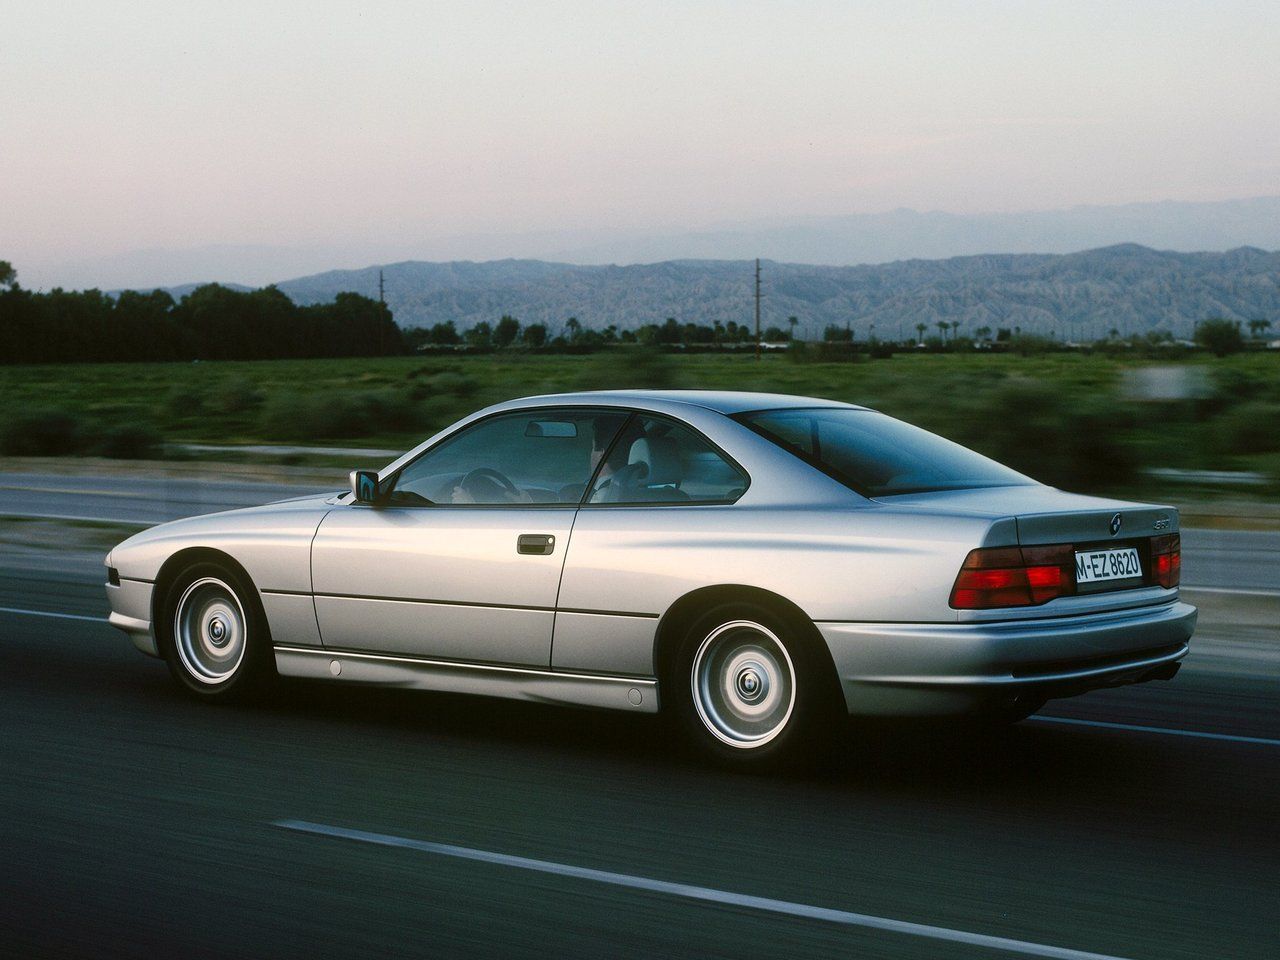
750, 690
214, 635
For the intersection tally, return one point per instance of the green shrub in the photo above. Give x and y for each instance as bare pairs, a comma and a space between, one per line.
1074, 441
238, 396
49, 433
628, 368
835, 351
1220, 336
444, 383
129, 441
184, 400
303, 417
1250, 428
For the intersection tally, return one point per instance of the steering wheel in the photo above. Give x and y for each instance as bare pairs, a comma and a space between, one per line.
488, 473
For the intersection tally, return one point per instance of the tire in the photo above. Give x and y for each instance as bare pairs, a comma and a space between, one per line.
754, 691
213, 634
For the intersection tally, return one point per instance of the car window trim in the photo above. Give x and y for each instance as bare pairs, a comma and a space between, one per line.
742, 418
395, 477
715, 447
832, 472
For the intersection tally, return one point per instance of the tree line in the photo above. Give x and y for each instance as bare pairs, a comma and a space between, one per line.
508, 332
212, 322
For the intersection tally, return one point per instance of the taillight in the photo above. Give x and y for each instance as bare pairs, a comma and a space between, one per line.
1013, 577
1166, 557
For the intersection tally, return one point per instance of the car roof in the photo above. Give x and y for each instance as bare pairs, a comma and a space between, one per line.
721, 401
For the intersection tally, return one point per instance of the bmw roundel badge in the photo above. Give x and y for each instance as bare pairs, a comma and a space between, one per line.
1115, 524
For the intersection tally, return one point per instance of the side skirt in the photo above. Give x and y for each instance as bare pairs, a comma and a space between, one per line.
513, 683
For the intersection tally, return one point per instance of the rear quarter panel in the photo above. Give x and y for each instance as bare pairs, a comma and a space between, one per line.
861, 563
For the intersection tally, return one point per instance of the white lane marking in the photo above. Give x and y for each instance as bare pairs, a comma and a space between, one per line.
1232, 591
50, 613
1167, 731
706, 894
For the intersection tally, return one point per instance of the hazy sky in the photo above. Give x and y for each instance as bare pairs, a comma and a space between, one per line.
137, 125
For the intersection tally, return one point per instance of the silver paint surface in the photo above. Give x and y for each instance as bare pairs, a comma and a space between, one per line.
419, 586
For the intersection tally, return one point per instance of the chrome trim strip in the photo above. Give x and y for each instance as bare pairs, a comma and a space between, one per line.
458, 603
610, 613
516, 683
1009, 679
429, 602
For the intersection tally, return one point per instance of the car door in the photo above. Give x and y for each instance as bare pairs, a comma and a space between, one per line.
462, 557
659, 522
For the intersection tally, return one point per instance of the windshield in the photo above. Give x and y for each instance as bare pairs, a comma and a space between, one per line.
876, 455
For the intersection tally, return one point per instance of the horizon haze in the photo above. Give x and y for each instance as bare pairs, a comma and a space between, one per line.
299, 138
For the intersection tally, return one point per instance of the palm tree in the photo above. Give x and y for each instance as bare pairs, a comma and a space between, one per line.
573, 326
793, 322
1258, 327
982, 333
944, 327
920, 329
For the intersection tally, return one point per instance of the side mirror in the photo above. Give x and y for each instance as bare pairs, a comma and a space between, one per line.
364, 486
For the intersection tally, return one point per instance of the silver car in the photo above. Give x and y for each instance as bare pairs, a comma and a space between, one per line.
758, 567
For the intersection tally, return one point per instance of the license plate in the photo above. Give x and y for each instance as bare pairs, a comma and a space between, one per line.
1095, 566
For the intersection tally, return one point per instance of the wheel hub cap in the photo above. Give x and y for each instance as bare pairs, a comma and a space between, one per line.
217, 631
743, 684
209, 631
751, 686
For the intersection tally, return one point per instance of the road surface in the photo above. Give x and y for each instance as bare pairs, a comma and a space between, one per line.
332, 821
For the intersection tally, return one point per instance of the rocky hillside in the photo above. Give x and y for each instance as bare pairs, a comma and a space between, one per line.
1128, 287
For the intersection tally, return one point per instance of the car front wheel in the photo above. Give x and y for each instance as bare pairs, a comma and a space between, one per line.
214, 635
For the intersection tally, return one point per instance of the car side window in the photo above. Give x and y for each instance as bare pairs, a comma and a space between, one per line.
656, 461
530, 457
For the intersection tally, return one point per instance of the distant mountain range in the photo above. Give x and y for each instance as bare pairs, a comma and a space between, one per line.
1129, 287
838, 240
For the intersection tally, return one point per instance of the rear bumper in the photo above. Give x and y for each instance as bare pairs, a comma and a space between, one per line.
895, 669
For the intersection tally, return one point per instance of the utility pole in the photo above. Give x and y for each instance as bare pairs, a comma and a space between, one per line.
757, 308
382, 299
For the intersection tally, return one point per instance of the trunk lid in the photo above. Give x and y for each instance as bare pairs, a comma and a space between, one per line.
1034, 515
1046, 515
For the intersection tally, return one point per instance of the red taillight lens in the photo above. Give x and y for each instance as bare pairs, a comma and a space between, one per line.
1166, 555
1012, 577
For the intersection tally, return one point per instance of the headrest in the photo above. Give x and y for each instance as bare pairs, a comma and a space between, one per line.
660, 456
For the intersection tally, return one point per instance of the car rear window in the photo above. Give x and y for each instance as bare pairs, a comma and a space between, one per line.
876, 455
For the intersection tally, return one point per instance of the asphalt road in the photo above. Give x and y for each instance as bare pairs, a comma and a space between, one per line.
1222, 559
137, 822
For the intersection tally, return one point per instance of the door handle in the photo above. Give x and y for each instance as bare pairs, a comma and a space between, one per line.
536, 544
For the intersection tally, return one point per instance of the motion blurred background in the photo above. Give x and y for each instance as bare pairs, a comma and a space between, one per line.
246, 247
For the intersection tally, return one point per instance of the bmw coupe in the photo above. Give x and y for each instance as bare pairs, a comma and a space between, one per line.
758, 567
